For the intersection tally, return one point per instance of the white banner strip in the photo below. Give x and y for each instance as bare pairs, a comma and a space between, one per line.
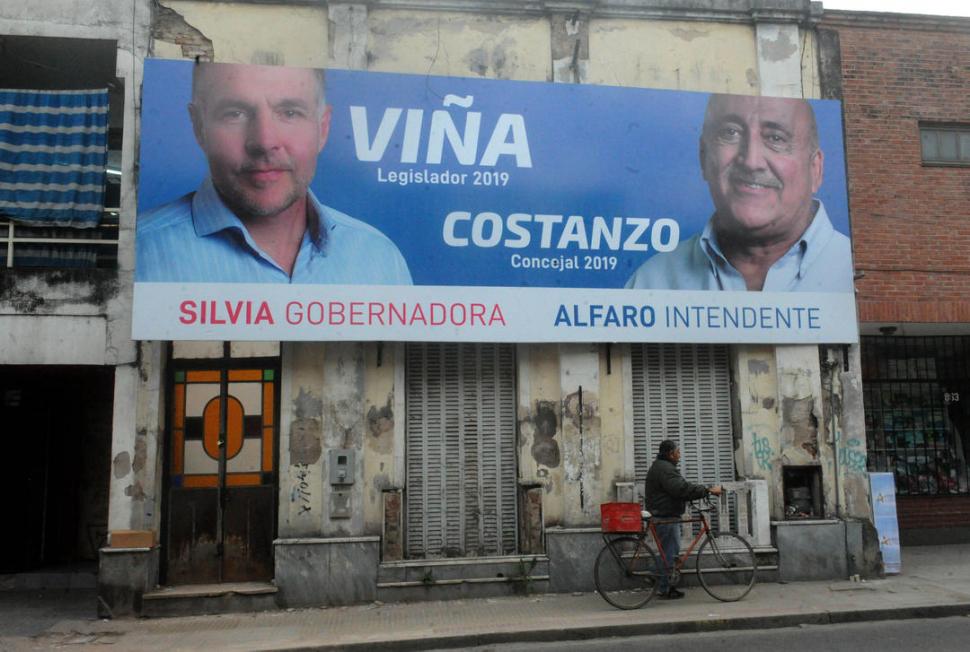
267, 312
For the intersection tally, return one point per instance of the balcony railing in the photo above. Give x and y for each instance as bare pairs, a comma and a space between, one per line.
35, 247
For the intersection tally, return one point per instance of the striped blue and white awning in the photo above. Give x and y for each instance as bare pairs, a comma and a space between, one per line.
53, 154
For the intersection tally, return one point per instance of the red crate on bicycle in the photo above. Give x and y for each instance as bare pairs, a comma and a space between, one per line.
621, 517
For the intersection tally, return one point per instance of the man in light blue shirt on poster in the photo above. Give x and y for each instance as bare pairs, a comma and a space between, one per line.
254, 219
761, 159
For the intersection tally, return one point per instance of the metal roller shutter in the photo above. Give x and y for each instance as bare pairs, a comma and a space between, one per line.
461, 458
683, 392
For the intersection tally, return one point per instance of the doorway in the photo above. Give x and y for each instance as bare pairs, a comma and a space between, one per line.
221, 462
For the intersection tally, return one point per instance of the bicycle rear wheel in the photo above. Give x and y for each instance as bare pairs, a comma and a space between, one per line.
726, 566
625, 573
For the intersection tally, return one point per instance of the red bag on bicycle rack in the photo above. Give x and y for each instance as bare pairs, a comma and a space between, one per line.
621, 518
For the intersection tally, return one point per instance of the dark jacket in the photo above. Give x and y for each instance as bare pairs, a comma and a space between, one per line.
666, 491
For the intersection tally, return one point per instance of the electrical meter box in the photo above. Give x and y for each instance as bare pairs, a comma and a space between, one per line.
341, 466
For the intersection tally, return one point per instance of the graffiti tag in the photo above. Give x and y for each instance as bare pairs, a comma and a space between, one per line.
763, 453
301, 489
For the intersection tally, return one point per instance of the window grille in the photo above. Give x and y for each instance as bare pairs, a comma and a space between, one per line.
917, 404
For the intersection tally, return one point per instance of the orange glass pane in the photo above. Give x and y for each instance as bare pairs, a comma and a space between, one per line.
268, 449
269, 412
246, 374
195, 481
243, 479
179, 408
202, 376
234, 427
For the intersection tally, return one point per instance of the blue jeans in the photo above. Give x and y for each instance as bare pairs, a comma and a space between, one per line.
669, 535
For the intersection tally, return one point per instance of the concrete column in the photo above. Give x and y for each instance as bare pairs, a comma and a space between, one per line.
137, 427
343, 430
579, 379
301, 500
539, 419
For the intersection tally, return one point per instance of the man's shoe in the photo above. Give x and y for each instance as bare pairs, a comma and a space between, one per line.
672, 594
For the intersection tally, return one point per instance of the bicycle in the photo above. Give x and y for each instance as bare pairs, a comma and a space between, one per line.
627, 574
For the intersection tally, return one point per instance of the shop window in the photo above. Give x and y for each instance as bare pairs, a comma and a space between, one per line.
917, 406
945, 144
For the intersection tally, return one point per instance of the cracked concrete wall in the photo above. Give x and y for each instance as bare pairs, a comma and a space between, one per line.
463, 44
296, 35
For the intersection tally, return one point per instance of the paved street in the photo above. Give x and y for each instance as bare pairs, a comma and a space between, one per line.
935, 583
946, 634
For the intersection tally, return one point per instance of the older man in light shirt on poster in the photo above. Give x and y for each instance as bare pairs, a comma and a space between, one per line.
761, 159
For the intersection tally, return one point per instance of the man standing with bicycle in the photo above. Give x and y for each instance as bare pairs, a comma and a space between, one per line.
666, 493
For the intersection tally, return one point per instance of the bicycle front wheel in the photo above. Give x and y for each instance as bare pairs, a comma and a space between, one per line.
625, 573
726, 566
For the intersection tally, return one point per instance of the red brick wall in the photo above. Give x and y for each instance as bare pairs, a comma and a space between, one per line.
910, 224
930, 512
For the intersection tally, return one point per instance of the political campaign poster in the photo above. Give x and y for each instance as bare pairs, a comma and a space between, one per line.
280, 203
882, 494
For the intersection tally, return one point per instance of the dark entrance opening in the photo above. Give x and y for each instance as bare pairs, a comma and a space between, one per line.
56, 422
803, 492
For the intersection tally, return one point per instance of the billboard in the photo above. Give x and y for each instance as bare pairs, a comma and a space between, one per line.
415, 207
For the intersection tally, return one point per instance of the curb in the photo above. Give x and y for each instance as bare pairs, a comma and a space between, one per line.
588, 632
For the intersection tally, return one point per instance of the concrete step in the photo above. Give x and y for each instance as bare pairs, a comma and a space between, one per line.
197, 599
460, 578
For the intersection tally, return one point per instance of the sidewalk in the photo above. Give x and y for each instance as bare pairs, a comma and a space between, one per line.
935, 583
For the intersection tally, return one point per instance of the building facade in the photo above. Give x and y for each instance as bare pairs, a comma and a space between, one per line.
906, 122
426, 470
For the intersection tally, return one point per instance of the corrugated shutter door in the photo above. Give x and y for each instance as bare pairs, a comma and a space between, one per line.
682, 392
461, 465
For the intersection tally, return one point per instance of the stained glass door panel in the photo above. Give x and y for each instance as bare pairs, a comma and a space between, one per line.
222, 475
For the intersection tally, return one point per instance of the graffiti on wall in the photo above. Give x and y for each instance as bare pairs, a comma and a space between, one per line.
762, 452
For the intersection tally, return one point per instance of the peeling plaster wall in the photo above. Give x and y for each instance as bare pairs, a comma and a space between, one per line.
850, 430
443, 43
756, 382
579, 375
379, 470
138, 427
344, 428
296, 35
693, 56
540, 425
802, 438
302, 497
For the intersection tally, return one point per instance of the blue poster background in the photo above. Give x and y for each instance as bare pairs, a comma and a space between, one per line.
596, 151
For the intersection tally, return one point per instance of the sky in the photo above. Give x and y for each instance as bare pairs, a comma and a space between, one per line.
938, 7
